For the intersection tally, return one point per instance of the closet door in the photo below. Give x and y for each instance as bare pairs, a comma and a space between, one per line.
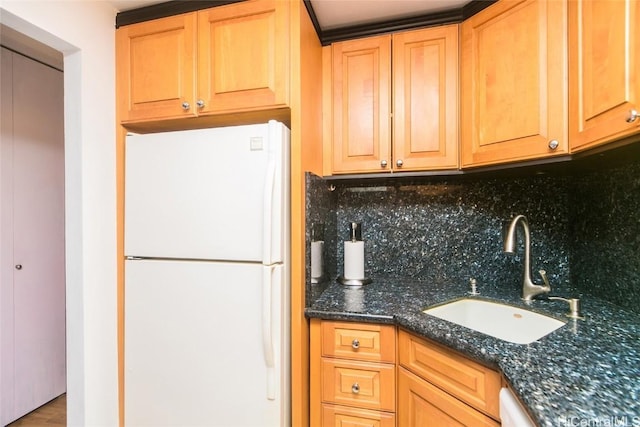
6, 237
33, 296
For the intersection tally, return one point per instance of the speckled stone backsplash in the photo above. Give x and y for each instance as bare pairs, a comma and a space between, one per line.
320, 224
605, 230
452, 230
585, 230
449, 230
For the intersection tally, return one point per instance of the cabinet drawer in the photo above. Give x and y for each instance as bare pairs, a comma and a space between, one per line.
423, 404
361, 384
465, 379
359, 341
342, 416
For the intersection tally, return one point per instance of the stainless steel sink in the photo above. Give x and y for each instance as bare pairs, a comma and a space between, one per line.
498, 320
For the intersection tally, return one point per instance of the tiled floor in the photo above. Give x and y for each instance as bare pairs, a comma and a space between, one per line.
52, 414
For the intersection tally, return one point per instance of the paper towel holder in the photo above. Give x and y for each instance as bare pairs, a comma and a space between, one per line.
355, 234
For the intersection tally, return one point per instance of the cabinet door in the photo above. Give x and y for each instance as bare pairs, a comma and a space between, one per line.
361, 105
604, 63
243, 56
474, 384
425, 106
514, 90
156, 63
422, 404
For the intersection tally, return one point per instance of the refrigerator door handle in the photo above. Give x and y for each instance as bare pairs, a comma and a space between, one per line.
267, 205
267, 331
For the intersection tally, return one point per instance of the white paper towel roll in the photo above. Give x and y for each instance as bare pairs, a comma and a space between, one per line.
354, 259
316, 259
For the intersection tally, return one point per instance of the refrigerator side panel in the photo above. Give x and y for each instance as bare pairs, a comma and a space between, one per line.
195, 345
200, 194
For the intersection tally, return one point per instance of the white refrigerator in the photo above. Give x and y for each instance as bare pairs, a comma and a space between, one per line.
206, 299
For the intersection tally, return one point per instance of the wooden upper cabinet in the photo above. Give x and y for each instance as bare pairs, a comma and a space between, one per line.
425, 93
227, 59
361, 105
243, 56
156, 64
604, 70
514, 90
421, 76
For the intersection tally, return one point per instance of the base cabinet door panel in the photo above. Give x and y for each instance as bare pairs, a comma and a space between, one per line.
423, 404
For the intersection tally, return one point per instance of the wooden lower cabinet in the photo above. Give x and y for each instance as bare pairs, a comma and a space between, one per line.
353, 374
437, 386
422, 404
364, 374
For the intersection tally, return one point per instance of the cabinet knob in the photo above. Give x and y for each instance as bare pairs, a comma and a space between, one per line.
399, 163
383, 163
355, 344
200, 103
633, 115
355, 388
186, 106
18, 266
553, 144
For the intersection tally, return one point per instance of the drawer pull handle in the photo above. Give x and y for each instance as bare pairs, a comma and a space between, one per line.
355, 389
355, 344
633, 115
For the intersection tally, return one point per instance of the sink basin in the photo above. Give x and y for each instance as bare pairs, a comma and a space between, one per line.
501, 321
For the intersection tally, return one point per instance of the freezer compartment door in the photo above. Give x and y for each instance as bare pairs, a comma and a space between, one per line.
205, 343
217, 194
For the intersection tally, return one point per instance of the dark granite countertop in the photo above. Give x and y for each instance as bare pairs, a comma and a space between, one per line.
585, 373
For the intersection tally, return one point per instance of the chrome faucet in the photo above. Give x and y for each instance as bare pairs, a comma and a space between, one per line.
529, 289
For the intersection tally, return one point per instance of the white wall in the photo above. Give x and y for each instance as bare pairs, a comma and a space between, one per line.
84, 32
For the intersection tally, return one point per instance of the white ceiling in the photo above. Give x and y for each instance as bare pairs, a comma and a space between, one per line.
345, 13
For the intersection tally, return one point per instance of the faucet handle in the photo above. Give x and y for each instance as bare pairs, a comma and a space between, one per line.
543, 274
